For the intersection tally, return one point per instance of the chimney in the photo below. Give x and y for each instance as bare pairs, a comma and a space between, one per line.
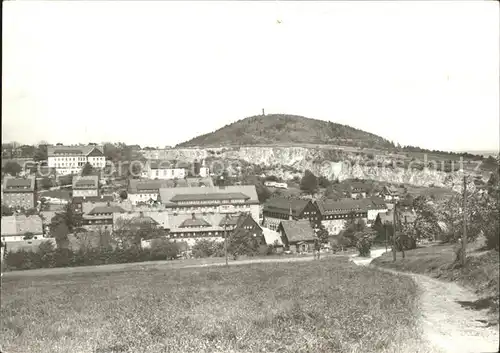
193, 216
108, 203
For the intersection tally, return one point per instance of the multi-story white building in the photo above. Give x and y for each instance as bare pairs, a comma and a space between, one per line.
209, 212
211, 200
72, 159
163, 170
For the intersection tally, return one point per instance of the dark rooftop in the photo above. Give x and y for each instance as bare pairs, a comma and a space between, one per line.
210, 196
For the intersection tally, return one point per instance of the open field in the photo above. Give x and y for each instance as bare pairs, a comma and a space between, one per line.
315, 306
481, 273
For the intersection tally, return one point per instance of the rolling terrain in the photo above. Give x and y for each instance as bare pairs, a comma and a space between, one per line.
285, 129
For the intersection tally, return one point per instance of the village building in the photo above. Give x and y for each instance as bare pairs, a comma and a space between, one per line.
191, 228
19, 192
158, 169
100, 217
334, 214
18, 227
392, 194
278, 209
211, 200
297, 236
145, 190
357, 190
87, 186
71, 159
374, 206
273, 238
158, 219
404, 217
200, 169
79, 201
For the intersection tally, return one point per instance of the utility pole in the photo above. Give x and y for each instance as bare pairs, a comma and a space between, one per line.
394, 232
385, 229
225, 239
464, 236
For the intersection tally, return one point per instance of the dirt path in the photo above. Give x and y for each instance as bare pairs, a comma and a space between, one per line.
447, 325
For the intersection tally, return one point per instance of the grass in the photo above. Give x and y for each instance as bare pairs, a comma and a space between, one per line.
481, 273
318, 306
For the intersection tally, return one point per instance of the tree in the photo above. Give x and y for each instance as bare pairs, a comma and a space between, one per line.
364, 242
46, 183
272, 178
322, 234
208, 248
324, 182
28, 236
164, 249
12, 168
354, 230
31, 212
263, 193
60, 232
87, 169
123, 194
46, 251
309, 182
40, 153
7, 211
243, 242
27, 151
68, 217
130, 233
493, 182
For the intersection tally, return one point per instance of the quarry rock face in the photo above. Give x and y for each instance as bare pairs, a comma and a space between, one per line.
289, 162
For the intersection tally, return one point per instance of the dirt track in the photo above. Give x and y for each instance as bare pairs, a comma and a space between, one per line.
447, 325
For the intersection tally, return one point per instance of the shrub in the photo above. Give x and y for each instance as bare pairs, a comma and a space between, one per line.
162, 249
364, 245
208, 248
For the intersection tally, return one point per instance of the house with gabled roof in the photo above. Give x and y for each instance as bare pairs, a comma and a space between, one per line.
404, 217
87, 186
277, 209
191, 228
72, 159
19, 192
297, 235
374, 206
143, 191
163, 169
16, 227
100, 217
356, 189
391, 193
334, 214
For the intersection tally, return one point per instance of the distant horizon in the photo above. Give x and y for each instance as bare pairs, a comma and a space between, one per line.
487, 152
166, 72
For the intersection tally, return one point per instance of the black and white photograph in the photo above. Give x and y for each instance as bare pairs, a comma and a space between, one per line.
250, 176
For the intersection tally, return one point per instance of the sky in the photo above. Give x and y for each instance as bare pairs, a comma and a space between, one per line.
159, 73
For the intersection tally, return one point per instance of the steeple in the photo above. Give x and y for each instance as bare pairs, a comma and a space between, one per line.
290, 214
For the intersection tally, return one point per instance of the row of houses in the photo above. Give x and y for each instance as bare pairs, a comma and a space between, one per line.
191, 213
332, 214
22, 192
358, 190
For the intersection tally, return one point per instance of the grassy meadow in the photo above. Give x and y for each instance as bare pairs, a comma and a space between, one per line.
319, 306
481, 273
